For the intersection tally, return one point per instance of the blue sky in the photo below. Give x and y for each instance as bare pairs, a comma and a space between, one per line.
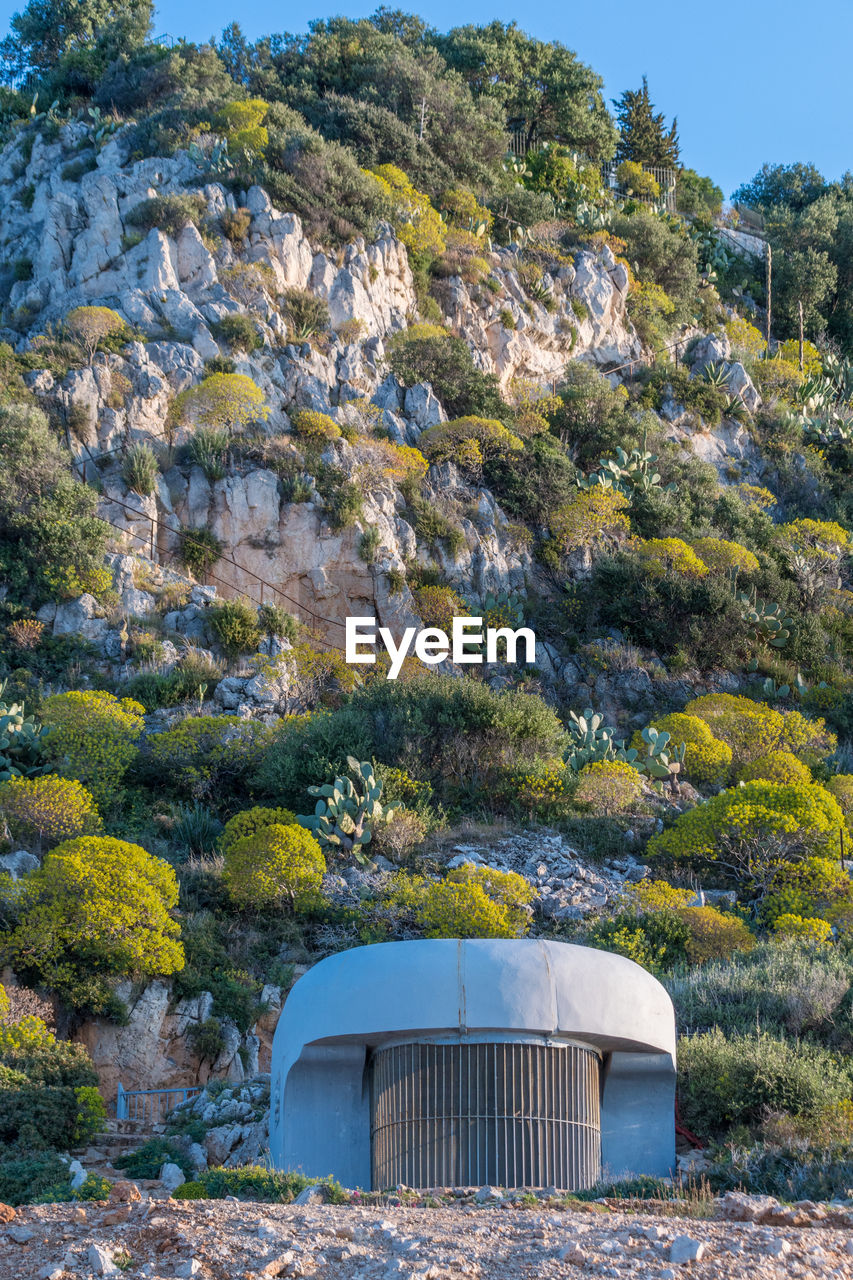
749, 82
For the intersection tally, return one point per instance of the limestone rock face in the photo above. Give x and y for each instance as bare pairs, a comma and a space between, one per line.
154, 1050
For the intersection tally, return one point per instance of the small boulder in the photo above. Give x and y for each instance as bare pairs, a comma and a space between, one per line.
686, 1249
171, 1176
311, 1195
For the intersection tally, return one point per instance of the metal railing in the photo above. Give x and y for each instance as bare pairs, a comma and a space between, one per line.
667, 180
150, 1106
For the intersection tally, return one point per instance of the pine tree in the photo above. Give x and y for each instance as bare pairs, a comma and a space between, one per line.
643, 132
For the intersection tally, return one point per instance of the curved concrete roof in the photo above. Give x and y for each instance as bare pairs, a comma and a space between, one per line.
444, 985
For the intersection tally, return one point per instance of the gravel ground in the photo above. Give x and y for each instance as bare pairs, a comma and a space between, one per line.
226, 1240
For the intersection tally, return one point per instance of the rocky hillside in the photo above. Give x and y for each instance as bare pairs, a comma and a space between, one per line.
272, 357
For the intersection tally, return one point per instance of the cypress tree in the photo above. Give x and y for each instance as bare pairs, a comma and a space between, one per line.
643, 133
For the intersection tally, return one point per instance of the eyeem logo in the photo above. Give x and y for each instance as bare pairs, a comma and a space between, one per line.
465, 644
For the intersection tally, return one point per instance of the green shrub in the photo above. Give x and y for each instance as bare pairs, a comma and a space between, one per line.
255, 1183
726, 1083
42, 812
93, 737
148, 1159
198, 550
453, 733
251, 821
240, 332
23, 1178
343, 499
783, 987
139, 469
274, 620
657, 940
196, 830
169, 214
235, 224
234, 623
181, 684
204, 756
48, 526
279, 866
663, 255
427, 354
96, 909
305, 313
208, 449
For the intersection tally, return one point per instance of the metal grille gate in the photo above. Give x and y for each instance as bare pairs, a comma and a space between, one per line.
512, 1114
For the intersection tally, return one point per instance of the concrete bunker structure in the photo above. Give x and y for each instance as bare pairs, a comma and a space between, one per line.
461, 1063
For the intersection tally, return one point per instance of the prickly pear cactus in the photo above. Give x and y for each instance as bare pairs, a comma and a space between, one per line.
347, 813
20, 741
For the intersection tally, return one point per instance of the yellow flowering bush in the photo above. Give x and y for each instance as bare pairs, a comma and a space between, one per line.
755, 812
222, 401
814, 887
541, 793
714, 935
416, 222
806, 929
755, 495
243, 122
438, 606
279, 866
608, 786
591, 518
662, 555
656, 895
42, 812
721, 556
92, 738
808, 739
814, 539
707, 760
779, 766
475, 902
250, 821
96, 909
398, 462
447, 441
748, 343
754, 729
790, 351
312, 425
711, 934
204, 755
26, 1033
777, 379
